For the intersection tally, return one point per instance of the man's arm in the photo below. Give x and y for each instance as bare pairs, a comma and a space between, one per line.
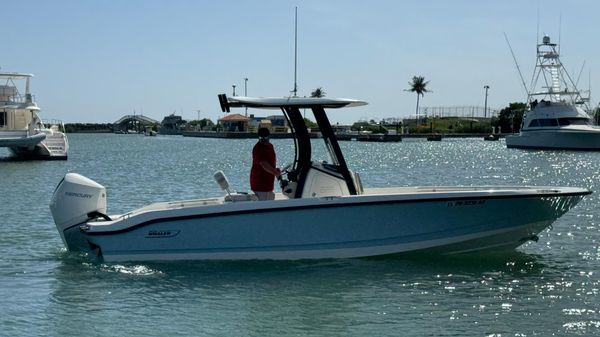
272, 170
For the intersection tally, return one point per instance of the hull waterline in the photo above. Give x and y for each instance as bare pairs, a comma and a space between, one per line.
556, 140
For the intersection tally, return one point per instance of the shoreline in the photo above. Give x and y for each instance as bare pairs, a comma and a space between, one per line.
340, 137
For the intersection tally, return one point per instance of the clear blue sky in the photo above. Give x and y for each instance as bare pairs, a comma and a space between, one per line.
95, 61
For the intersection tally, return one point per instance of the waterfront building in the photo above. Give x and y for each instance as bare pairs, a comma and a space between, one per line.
171, 125
275, 123
233, 123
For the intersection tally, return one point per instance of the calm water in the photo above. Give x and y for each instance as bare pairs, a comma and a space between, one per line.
547, 288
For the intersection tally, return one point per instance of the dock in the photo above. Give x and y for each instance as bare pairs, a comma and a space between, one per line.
340, 137
240, 134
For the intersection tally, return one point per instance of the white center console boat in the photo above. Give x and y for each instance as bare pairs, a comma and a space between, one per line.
323, 211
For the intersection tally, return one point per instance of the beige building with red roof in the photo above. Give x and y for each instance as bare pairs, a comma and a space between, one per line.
237, 122
234, 122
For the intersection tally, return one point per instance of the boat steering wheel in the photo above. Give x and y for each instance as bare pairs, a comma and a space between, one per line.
286, 168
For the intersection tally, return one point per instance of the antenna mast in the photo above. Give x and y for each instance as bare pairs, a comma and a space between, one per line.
517, 64
537, 33
295, 91
559, 30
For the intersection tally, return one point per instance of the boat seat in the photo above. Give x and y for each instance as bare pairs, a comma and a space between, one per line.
239, 196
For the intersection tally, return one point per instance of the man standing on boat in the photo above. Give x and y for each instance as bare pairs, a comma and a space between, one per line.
264, 167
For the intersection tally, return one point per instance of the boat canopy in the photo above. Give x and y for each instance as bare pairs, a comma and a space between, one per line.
15, 75
278, 103
31, 107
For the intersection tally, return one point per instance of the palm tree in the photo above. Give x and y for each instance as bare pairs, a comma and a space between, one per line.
319, 92
418, 85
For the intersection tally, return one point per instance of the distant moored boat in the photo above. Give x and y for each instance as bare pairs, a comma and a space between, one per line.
21, 129
559, 119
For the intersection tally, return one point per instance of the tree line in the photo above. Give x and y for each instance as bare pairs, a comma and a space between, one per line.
509, 119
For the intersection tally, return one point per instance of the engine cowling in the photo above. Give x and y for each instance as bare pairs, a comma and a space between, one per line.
74, 201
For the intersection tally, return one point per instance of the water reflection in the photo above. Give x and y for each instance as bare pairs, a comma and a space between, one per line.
546, 288
332, 296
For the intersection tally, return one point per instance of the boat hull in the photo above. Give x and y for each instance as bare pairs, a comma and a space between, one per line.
556, 140
331, 228
20, 139
42, 146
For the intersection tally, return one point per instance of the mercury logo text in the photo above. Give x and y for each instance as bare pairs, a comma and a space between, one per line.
79, 195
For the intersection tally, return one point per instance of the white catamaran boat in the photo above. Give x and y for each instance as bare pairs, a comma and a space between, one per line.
322, 212
21, 129
559, 119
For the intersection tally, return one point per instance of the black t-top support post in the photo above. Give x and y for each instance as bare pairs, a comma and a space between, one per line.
333, 147
303, 148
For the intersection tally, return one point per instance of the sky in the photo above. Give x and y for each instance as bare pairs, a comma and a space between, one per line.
96, 61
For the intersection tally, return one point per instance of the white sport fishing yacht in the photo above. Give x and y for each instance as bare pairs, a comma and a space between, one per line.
557, 117
322, 212
21, 129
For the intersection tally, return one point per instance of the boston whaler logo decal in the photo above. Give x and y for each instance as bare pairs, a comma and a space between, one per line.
162, 233
79, 195
459, 203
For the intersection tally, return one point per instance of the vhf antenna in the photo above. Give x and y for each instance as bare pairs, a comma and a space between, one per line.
295, 91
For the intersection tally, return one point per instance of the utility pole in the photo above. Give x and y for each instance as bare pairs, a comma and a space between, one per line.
486, 87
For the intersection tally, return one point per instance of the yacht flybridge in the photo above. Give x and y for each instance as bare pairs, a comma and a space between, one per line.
21, 129
322, 212
557, 117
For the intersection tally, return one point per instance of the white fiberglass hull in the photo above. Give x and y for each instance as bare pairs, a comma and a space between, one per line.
14, 139
42, 145
560, 139
388, 221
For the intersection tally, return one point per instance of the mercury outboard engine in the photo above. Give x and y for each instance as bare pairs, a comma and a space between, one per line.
77, 199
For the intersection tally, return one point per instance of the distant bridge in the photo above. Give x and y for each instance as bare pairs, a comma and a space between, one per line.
134, 122
140, 118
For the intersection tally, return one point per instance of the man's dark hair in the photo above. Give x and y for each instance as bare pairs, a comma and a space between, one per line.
263, 133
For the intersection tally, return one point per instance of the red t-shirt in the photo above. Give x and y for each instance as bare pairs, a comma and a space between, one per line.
261, 180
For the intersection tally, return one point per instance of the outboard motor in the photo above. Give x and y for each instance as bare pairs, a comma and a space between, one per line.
77, 199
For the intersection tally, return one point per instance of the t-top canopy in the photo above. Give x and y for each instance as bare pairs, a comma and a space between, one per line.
14, 75
278, 103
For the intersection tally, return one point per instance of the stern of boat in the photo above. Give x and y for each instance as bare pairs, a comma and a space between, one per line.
56, 144
76, 200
